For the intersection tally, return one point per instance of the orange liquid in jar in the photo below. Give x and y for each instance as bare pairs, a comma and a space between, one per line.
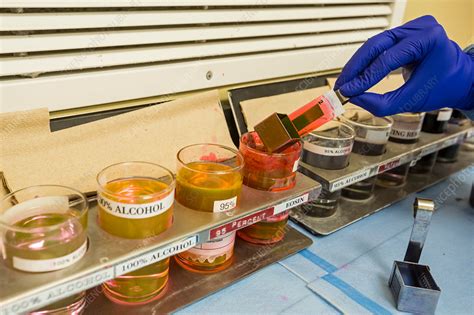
135, 191
140, 286
268, 171
199, 185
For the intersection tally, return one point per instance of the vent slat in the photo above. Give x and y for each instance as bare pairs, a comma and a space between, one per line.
82, 20
66, 54
83, 89
98, 39
166, 3
117, 57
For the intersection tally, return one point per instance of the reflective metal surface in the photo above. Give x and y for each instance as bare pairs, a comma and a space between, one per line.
109, 256
350, 211
186, 287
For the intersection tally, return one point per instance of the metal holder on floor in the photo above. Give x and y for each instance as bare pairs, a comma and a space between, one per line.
109, 257
412, 284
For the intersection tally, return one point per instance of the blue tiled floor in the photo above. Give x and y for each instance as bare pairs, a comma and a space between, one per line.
348, 270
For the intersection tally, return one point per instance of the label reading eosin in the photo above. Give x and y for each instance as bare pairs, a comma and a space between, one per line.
136, 211
225, 205
43, 265
290, 204
326, 151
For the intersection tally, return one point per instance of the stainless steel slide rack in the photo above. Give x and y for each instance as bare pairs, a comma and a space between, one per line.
350, 211
109, 256
362, 167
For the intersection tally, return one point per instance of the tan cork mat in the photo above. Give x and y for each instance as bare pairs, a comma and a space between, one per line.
73, 156
18, 125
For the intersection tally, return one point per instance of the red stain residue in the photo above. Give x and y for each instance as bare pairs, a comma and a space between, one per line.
211, 157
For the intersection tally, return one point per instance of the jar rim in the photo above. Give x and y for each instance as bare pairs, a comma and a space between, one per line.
11, 227
388, 120
343, 138
232, 169
273, 154
169, 188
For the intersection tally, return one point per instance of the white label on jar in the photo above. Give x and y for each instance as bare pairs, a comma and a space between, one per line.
295, 165
444, 114
42, 265
136, 211
214, 248
290, 204
225, 205
405, 133
155, 255
376, 136
326, 151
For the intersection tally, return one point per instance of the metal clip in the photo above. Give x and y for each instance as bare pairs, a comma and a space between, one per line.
422, 211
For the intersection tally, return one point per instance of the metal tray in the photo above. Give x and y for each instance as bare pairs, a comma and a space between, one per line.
350, 211
186, 287
109, 256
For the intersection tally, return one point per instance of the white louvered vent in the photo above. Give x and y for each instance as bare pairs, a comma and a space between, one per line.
67, 54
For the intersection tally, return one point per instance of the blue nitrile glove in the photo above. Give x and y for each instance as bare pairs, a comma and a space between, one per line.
442, 75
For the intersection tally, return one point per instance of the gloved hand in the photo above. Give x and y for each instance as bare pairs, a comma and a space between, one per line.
442, 75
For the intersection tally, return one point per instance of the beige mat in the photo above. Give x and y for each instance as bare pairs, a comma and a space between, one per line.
17, 125
74, 156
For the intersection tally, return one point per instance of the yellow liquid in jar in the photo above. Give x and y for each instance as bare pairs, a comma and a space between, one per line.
198, 190
40, 244
135, 191
139, 286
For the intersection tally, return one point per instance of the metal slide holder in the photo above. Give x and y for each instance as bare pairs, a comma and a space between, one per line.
412, 284
278, 131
